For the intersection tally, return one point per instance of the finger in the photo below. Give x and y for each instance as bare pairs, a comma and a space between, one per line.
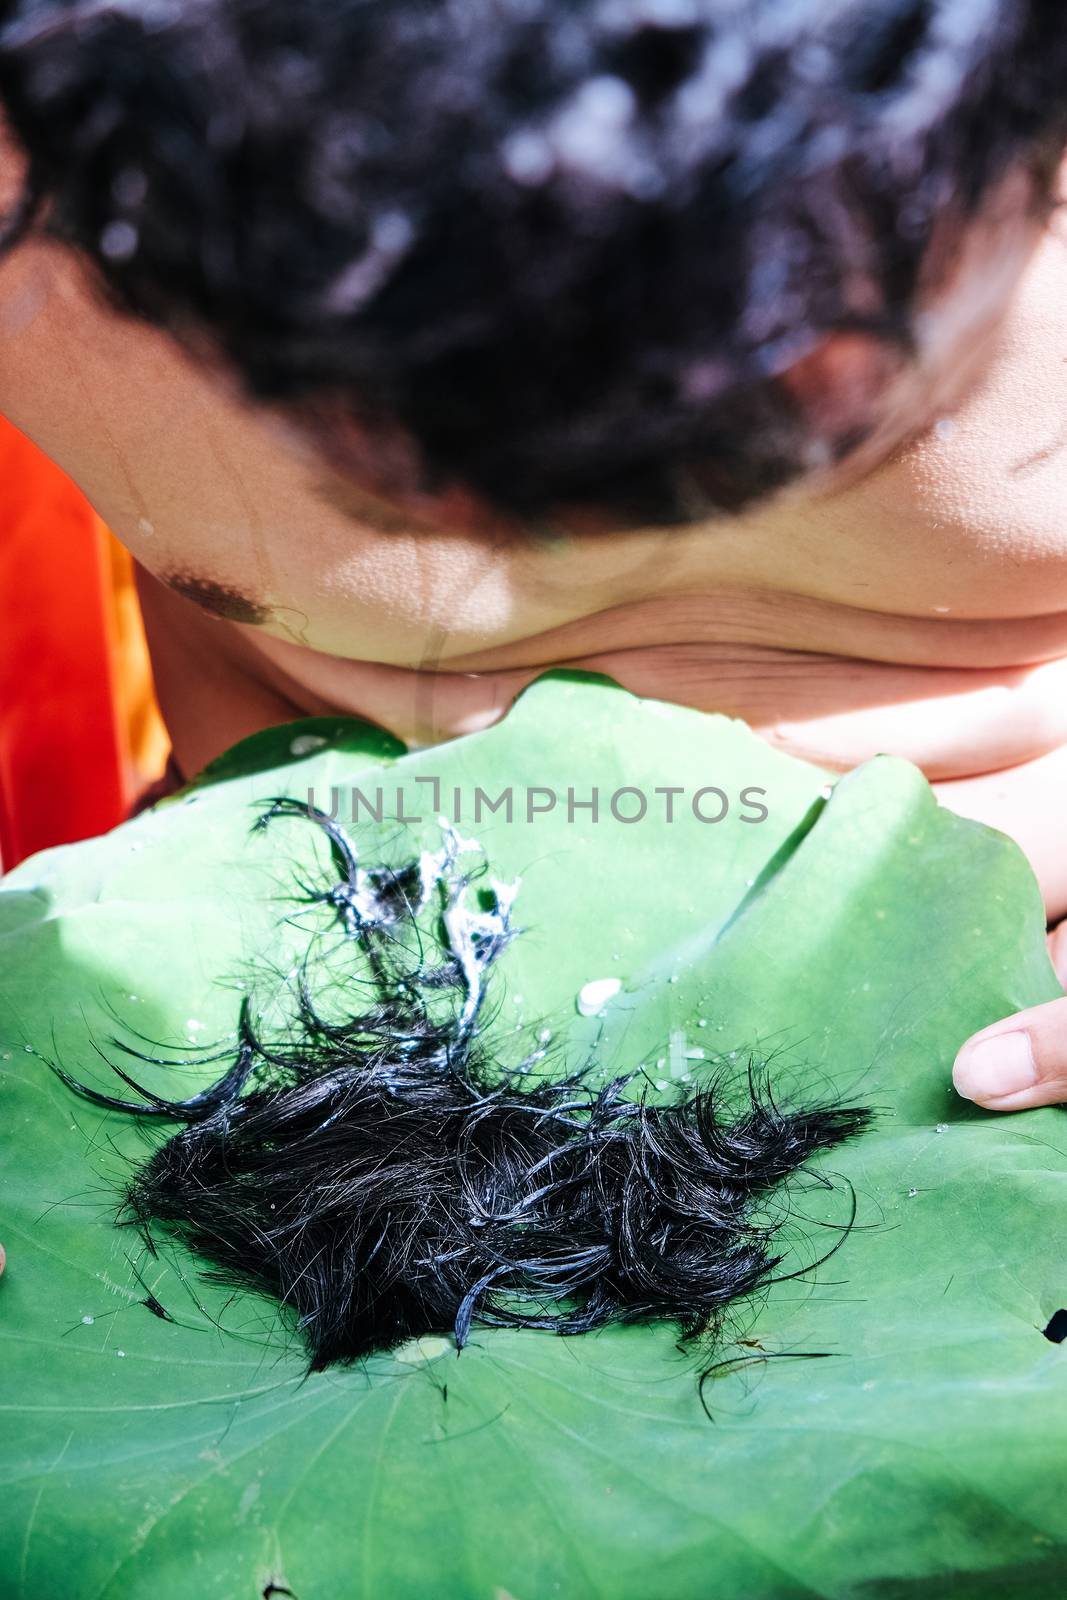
1017, 1063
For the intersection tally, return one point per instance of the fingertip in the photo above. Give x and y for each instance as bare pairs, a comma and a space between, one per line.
1004, 1072
995, 1068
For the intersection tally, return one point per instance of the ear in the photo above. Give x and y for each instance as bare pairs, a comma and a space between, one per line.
1059, 182
13, 171
842, 387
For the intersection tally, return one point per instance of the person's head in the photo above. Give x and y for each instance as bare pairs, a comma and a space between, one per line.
650, 258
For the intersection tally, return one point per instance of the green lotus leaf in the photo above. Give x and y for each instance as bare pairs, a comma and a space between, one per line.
853, 935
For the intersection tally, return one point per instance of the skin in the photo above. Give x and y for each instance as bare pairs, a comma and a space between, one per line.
917, 606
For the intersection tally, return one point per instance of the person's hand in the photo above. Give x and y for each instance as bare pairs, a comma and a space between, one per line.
1021, 1061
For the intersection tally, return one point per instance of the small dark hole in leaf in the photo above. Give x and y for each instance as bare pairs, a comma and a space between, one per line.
1056, 1327
277, 1588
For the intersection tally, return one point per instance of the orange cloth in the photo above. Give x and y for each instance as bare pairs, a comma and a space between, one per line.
79, 730
146, 736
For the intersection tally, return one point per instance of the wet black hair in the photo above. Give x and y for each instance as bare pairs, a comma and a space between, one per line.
383, 1177
559, 251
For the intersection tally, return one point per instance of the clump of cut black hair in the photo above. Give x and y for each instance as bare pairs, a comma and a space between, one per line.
382, 1177
560, 253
